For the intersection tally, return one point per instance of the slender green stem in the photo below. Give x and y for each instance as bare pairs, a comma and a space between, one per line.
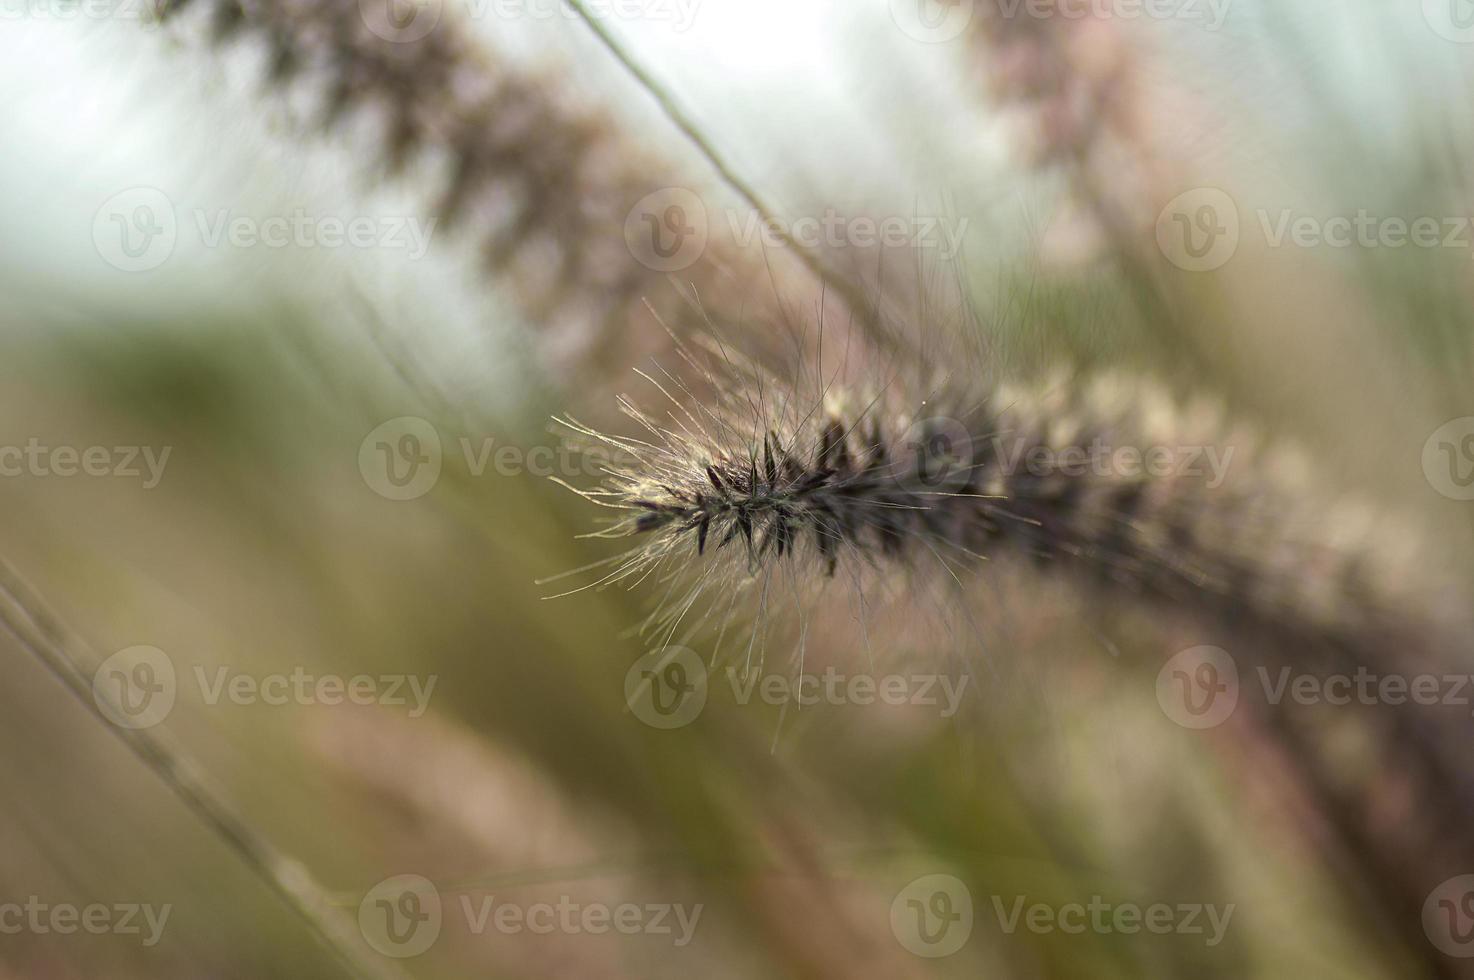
25, 616
864, 311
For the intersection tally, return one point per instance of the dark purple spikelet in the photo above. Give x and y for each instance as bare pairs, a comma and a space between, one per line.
1108, 481
532, 170
1111, 484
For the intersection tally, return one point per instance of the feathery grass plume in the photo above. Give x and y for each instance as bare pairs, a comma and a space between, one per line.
25, 616
1075, 81
526, 834
546, 182
951, 471
463, 794
767, 491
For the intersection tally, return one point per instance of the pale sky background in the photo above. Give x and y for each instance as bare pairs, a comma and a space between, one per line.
813, 100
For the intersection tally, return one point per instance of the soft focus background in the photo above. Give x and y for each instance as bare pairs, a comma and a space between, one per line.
269, 543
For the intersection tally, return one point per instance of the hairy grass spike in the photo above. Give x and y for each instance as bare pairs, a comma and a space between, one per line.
1239, 537
1108, 480
534, 170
